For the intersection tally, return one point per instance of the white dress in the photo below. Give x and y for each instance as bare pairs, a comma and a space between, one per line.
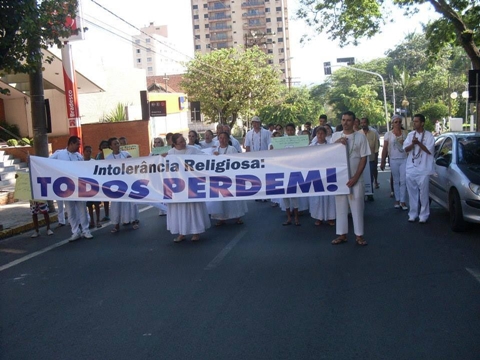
187, 218
322, 207
122, 212
224, 210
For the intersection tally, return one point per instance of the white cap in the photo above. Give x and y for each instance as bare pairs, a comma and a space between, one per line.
256, 118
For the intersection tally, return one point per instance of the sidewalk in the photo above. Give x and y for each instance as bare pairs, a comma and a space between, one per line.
16, 218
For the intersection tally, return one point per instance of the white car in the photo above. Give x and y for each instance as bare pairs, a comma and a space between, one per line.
455, 185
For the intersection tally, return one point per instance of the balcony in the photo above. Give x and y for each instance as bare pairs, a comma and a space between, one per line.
218, 7
253, 14
219, 17
258, 25
217, 27
220, 38
253, 4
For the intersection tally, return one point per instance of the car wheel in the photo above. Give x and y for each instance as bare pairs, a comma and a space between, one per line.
457, 223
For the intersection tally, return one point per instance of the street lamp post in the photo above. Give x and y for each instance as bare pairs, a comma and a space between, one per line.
465, 97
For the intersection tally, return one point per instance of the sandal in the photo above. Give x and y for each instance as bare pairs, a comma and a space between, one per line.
239, 222
179, 238
361, 241
115, 229
331, 222
297, 223
196, 238
287, 223
220, 223
99, 225
339, 240
135, 226
318, 223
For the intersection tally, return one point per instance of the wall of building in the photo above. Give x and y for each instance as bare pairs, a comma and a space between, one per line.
17, 112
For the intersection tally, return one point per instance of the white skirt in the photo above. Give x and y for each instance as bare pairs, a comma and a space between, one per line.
187, 218
322, 207
224, 210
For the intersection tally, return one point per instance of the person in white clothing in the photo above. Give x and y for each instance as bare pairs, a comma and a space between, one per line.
235, 143
225, 210
322, 208
77, 210
190, 217
420, 146
258, 138
393, 148
358, 151
121, 212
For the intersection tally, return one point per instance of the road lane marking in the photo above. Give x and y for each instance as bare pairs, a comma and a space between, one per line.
51, 247
475, 273
214, 263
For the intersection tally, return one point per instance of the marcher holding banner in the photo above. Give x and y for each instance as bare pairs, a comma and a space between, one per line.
225, 210
322, 208
357, 153
122, 212
77, 210
191, 217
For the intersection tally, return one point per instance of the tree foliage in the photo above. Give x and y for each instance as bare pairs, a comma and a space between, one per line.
349, 21
24, 23
295, 106
230, 82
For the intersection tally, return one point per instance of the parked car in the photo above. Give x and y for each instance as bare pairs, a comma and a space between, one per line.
455, 185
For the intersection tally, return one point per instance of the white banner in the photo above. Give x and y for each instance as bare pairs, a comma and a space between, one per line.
296, 172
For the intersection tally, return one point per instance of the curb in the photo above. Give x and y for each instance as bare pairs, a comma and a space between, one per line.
25, 227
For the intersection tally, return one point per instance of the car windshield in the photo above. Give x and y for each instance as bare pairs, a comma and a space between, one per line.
469, 150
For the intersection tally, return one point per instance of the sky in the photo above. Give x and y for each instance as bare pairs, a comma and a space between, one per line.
307, 60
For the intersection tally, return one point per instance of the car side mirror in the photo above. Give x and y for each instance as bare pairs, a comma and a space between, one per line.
441, 161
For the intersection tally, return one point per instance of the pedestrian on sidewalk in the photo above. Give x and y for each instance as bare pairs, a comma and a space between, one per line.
39, 207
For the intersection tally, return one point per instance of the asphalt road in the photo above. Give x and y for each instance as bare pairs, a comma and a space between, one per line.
252, 291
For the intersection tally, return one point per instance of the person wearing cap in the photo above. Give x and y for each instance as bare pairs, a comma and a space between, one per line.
258, 138
393, 148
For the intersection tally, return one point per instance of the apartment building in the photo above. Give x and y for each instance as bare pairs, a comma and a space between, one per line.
153, 52
221, 24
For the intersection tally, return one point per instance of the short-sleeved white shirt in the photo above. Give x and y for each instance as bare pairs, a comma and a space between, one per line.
357, 148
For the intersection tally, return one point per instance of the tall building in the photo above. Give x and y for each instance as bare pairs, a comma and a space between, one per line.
221, 24
153, 52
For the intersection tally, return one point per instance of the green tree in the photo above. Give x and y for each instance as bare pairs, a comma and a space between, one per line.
27, 26
294, 106
231, 82
349, 21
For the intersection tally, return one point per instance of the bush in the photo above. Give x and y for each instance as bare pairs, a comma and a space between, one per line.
24, 142
12, 142
7, 130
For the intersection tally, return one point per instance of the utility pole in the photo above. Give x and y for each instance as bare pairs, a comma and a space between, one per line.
166, 80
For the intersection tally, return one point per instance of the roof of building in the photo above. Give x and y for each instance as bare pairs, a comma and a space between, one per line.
171, 84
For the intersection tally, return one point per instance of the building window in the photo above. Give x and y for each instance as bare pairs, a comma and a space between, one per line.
268, 20
278, 8
279, 19
195, 7
280, 40
147, 40
138, 51
270, 51
207, 36
139, 61
267, 10
269, 31
195, 17
205, 16
150, 68
149, 50
205, 6
196, 27
197, 37
137, 41
279, 29
207, 26
149, 59
198, 47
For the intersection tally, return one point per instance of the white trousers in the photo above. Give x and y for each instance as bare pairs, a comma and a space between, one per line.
77, 216
399, 179
417, 186
357, 204
61, 211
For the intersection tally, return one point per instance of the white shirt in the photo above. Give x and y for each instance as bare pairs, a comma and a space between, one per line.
418, 161
357, 148
66, 155
395, 145
257, 141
